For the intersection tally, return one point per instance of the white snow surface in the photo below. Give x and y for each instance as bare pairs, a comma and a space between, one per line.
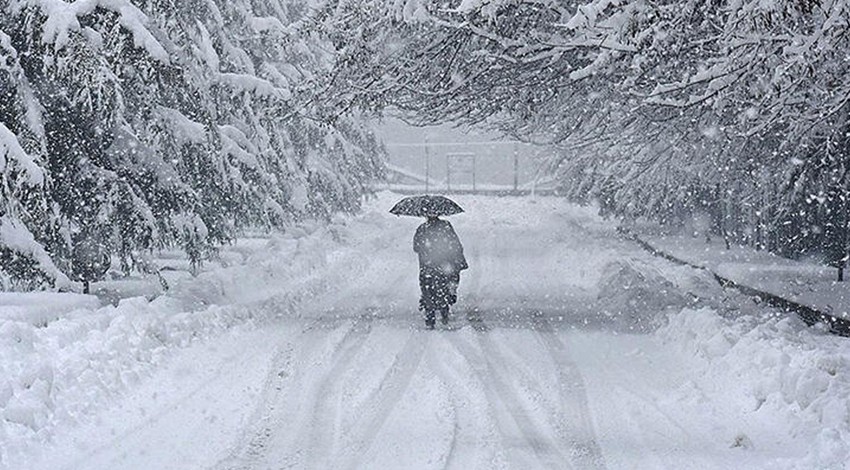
570, 348
40, 308
804, 282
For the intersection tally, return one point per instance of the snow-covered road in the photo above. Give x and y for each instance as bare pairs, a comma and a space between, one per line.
570, 348
363, 385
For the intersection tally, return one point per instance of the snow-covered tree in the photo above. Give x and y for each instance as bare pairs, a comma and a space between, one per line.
662, 109
27, 212
153, 123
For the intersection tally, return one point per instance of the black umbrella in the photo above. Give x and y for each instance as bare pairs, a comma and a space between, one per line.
426, 205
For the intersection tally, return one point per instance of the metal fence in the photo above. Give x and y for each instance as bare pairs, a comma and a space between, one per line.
502, 167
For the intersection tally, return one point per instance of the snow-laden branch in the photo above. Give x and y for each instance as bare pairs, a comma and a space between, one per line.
63, 17
13, 159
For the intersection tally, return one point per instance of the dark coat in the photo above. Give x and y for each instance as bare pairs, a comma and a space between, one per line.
439, 247
440, 262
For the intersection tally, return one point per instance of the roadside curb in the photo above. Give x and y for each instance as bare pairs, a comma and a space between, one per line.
808, 314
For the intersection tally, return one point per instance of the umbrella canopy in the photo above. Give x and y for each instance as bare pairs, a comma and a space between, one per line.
426, 205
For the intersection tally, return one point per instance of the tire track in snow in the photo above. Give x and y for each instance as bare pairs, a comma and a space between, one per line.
498, 392
449, 457
574, 425
278, 424
270, 438
383, 400
463, 404
500, 396
322, 424
255, 437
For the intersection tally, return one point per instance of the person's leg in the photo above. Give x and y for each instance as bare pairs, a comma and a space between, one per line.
423, 289
444, 315
430, 318
453, 283
427, 301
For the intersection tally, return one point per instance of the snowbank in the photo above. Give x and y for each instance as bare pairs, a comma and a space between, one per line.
60, 373
39, 308
633, 297
775, 370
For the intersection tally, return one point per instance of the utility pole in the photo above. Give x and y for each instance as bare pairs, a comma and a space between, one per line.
516, 168
473, 173
448, 175
427, 165
843, 235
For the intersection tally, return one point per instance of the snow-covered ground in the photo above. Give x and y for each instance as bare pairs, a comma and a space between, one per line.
571, 347
806, 283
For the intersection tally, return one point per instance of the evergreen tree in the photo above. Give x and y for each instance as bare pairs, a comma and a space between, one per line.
160, 123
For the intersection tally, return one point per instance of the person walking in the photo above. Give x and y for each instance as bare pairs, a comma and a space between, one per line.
441, 260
